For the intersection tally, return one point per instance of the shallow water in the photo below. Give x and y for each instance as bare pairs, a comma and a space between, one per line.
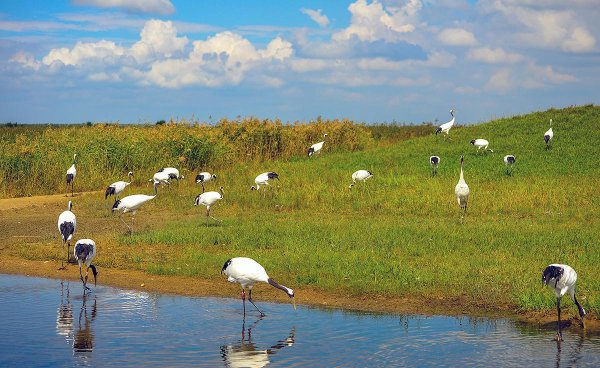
47, 322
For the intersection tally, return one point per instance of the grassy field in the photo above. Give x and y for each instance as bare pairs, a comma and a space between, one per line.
398, 234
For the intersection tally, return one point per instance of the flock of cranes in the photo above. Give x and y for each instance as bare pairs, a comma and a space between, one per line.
246, 271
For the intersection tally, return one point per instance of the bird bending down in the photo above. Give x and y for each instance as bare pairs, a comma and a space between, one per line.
445, 128
360, 175
247, 272
160, 178
85, 251
435, 162
117, 187
208, 199
462, 191
315, 148
204, 177
481, 143
548, 136
71, 174
67, 223
263, 179
562, 278
131, 204
509, 160
172, 172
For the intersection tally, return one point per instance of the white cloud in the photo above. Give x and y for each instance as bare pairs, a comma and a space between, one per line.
500, 81
457, 37
162, 7
84, 52
372, 22
493, 56
157, 38
317, 16
26, 60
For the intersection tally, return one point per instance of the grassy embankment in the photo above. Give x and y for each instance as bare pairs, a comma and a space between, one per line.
399, 234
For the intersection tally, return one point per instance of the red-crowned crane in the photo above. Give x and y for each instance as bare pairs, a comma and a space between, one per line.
85, 251
462, 191
71, 174
445, 128
67, 223
209, 199
360, 175
132, 204
315, 148
117, 187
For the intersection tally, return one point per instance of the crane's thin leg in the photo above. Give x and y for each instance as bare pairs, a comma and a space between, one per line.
207, 216
80, 275
73, 188
87, 269
559, 333
121, 218
68, 244
62, 261
244, 301
132, 223
579, 308
250, 300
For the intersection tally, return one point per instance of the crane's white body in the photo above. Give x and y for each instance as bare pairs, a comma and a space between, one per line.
462, 189
317, 147
208, 199
360, 175
445, 128
72, 171
434, 161
509, 160
481, 143
132, 203
118, 187
246, 272
67, 224
263, 179
172, 173
88, 256
548, 135
71, 174
204, 177
161, 178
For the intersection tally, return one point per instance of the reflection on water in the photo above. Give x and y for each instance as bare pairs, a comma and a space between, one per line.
245, 353
113, 327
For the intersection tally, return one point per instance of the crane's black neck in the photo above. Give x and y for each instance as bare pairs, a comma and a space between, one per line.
276, 285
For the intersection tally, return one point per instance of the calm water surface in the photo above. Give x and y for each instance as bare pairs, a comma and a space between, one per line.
45, 322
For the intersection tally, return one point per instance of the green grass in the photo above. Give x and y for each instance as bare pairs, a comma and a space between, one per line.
399, 233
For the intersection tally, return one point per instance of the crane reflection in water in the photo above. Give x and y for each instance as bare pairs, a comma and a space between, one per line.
244, 353
83, 341
64, 314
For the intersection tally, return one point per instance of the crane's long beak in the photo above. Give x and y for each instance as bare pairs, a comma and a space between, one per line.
294, 303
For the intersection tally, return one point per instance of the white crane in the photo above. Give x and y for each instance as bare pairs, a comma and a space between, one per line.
172, 172
131, 204
434, 161
562, 278
67, 223
117, 187
247, 272
509, 160
85, 251
71, 174
317, 146
209, 199
462, 190
481, 143
360, 175
204, 177
445, 128
548, 136
160, 178
263, 179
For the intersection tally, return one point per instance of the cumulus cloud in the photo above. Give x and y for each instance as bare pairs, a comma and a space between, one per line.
457, 37
161, 7
531, 75
500, 81
157, 39
317, 16
82, 52
373, 21
493, 56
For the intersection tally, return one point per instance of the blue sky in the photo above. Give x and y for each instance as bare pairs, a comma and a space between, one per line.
373, 61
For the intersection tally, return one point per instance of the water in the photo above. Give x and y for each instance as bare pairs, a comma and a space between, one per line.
49, 323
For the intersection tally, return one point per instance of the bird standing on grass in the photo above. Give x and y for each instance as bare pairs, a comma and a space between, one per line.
85, 251
160, 178
462, 191
117, 187
71, 174
360, 175
172, 172
248, 272
509, 160
445, 128
67, 223
204, 177
481, 143
263, 179
435, 162
131, 204
315, 148
208, 199
562, 278
548, 136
